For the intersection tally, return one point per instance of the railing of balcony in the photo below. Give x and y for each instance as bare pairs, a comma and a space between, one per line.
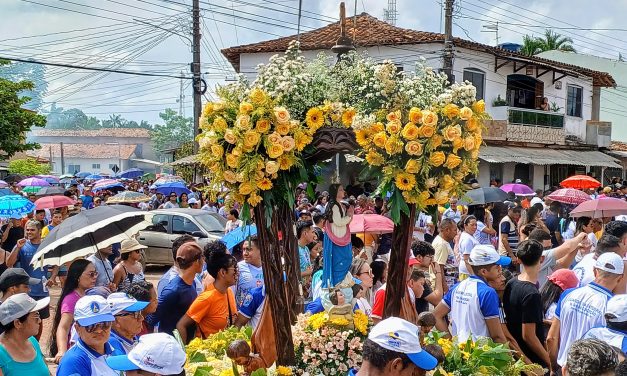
523, 116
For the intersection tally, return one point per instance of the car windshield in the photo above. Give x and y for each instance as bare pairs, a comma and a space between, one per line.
210, 223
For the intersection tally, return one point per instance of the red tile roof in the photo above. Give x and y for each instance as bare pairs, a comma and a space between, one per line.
87, 151
618, 146
103, 132
371, 31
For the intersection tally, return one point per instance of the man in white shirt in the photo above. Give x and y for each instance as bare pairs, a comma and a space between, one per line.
472, 303
615, 332
442, 245
619, 229
580, 309
424, 225
584, 270
452, 212
555, 258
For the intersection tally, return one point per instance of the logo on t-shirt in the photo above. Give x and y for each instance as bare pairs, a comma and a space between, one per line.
247, 300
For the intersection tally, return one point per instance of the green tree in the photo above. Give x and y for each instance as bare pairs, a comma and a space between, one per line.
174, 132
28, 166
15, 121
34, 73
550, 41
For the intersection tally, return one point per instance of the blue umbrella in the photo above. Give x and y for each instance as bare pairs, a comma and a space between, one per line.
175, 187
94, 177
131, 173
6, 192
15, 205
238, 235
83, 174
68, 181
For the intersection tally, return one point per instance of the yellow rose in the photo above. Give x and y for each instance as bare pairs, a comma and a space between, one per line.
254, 199
230, 176
478, 141
217, 150
288, 143
415, 115
232, 160
245, 188
394, 116
347, 117
437, 158
452, 161
272, 167
275, 151
375, 159
393, 145
229, 136
207, 110
431, 182
237, 151
441, 197
274, 138
380, 139
472, 124
204, 142
427, 131
285, 162
245, 108
219, 124
447, 183
258, 96
413, 148
282, 128
264, 184
465, 113
243, 122
393, 127
410, 131
479, 106
405, 181
281, 114
412, 166
452, 132
436, 141
262, 125
251, 139
458, 143
469, 143
314, 118
450, 110
429, 118
474, 154
377, 127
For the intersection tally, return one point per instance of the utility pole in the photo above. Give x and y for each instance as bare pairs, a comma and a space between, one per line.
181, 99
197, 82
63, 160
447, 66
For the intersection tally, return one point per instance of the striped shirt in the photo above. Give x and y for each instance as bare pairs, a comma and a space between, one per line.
507, 226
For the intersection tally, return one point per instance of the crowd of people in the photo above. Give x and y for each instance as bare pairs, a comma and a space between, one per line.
521, 272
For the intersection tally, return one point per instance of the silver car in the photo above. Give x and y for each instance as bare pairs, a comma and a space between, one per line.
169, 224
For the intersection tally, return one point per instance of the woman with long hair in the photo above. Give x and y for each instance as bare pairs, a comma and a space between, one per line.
467, 242
379, 273
129, 269
81, 276
484, 232
532, 216
361, 270
337, 250
183, 203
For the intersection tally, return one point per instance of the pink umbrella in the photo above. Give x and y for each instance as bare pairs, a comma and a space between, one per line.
33, 182
518, 189
602, 208
371, 223
53, 202
569, 196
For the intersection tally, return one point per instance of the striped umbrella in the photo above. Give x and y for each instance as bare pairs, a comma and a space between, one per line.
169, 179
128, 197
107, 184
569, 196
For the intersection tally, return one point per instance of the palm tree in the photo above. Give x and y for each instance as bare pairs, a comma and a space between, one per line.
116, 120
550, 41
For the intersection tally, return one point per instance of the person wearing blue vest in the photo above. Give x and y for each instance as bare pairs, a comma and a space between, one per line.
473, 304
615, 332
580, 309
93, 320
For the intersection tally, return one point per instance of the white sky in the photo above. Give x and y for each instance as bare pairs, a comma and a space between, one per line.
117, 36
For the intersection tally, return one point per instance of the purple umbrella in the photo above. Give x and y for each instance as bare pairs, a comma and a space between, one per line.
518, 189
33, 182
3, 184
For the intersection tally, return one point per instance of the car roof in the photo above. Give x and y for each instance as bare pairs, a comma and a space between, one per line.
189, 211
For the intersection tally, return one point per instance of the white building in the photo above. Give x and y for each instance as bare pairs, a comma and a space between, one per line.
539, 147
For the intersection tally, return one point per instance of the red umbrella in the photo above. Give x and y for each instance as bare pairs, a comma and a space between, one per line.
580, 182
569, 196
53, 202
606, 207
371, 223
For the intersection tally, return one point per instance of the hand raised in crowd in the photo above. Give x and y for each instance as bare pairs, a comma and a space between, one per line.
20, 243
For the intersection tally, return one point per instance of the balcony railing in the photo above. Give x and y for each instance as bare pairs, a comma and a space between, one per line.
536, 118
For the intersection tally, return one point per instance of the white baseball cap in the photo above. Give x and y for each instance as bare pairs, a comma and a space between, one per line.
483, 254
192, 201
398, 335
610, 262
158, 353
92, 309
617, 307
20, 305
119, 301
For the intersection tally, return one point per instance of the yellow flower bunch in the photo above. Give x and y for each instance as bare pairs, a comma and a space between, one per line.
284, 371
246, 145
411, 146
318, 320
331, 114
361, 322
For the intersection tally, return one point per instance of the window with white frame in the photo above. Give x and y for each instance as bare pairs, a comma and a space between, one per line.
95, 166
73, 168
477, 79
574, 100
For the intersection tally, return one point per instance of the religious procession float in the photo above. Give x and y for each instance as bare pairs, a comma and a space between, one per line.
418, 135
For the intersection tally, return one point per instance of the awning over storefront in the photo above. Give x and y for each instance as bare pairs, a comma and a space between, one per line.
190, 160
538, 156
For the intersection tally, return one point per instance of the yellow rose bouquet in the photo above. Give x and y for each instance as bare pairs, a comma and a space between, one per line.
248, 145
422, 155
